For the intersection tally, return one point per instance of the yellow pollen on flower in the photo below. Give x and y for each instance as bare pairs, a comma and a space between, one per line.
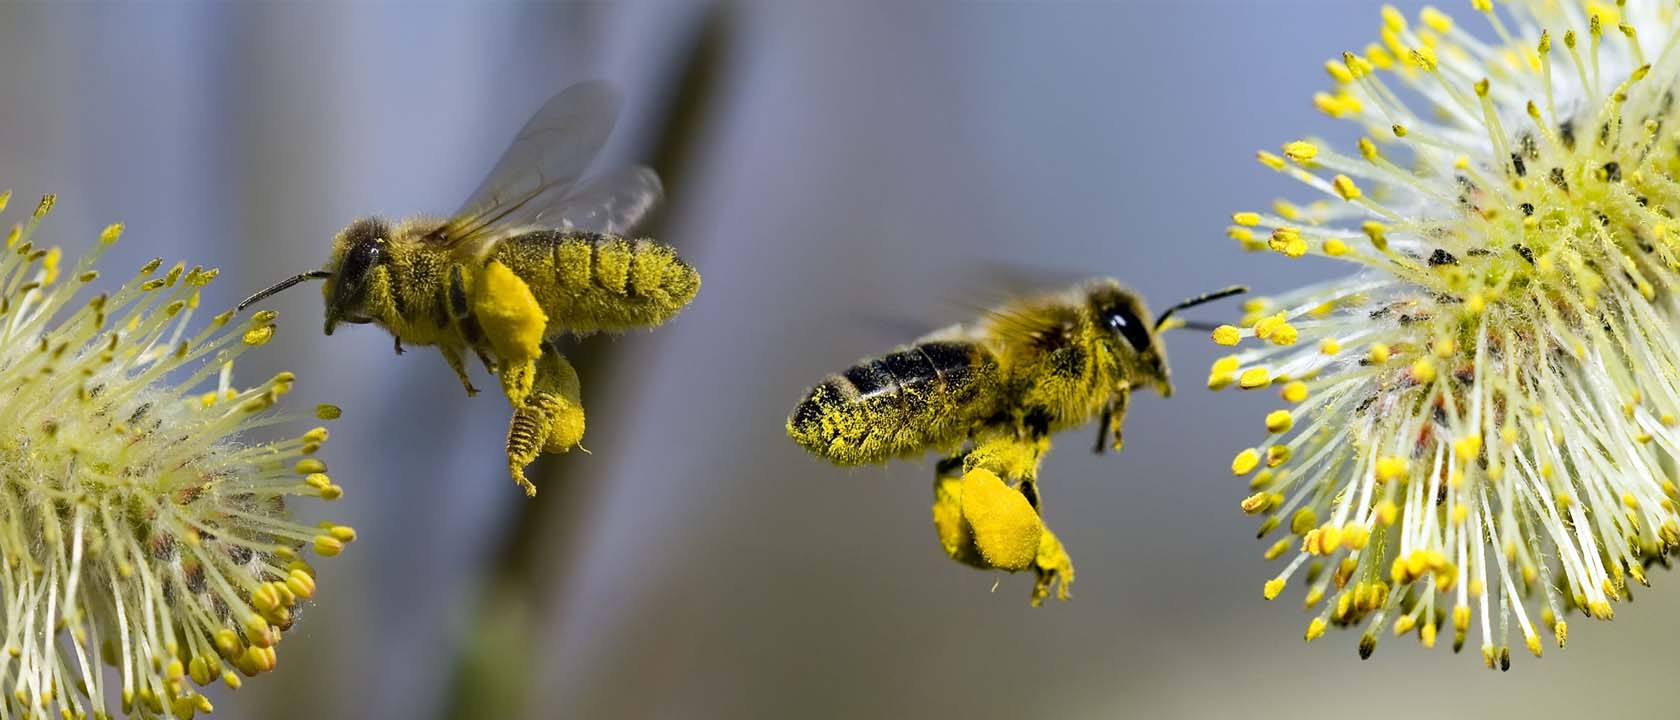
1295, 391
1226, 335
1246, 219
1423, 371
1279, 421
1378, 353
1335, 247
1288, 241
1300, 151
1346, 188
1274, 586
1254, 378
1245, 462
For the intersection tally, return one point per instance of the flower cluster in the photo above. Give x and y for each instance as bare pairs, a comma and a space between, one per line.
1483, 422
138, 528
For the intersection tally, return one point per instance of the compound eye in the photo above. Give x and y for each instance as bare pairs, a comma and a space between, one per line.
1129, 326
363, 257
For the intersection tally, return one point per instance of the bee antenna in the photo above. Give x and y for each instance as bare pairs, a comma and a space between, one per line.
282, 285
1198, 300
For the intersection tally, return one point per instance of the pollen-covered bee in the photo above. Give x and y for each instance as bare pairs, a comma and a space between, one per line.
533, 255
989, 396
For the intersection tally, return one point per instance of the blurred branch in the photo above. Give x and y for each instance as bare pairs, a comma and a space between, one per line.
499, 653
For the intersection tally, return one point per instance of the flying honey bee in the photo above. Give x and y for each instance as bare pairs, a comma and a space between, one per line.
535, 254
989, 395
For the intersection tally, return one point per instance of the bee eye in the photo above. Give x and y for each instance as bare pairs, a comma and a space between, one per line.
364, 257
1123, 321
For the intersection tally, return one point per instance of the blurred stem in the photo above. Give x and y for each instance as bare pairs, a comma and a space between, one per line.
500, 654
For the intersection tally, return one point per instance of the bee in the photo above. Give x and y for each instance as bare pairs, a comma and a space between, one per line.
536, 253
990, 394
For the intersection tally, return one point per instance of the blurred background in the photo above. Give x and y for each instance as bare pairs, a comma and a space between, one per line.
828, 165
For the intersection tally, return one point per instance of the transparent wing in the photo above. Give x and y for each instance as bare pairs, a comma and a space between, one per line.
541, 168
612, 203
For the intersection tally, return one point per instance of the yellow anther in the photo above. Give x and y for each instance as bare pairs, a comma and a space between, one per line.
1390, 468
1355, 537
1253, 378
1279, 421
328, 546
1303, 520
1424, 57
259, 335
1346, 188
1284, 335
1338, 71
1423, 370
1271, 160
1226, 335
1315, 629
308, 466
1378, 354
1329, 346
1288, 240
1295, 391
1245, 462
1249, 219
1438, 21
1300, 151
1274, 586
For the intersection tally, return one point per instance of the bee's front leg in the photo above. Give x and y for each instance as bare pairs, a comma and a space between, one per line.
398, 344
1113, 419
550, 419
452, 356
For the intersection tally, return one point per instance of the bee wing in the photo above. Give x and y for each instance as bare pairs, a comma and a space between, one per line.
540, 170
612, 203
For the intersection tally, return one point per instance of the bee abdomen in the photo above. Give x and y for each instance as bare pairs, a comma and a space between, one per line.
920, 397
617, 284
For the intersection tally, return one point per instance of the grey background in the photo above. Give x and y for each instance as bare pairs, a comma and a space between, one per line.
850, 162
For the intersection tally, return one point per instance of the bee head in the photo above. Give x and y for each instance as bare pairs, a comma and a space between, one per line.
1125, 326
360, 255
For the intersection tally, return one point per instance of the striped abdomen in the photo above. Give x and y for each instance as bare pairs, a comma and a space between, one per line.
917, 398
594, 282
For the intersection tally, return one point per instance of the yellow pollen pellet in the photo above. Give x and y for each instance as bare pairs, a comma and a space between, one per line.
1226, 335
1279, 421
1300, 151
1253, 378
1245, 462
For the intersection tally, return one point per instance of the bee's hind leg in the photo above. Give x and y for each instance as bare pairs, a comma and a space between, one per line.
549, 420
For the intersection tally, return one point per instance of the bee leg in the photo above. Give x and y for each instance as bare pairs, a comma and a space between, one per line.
459, 365
398, 344
1113, 419
550, 419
